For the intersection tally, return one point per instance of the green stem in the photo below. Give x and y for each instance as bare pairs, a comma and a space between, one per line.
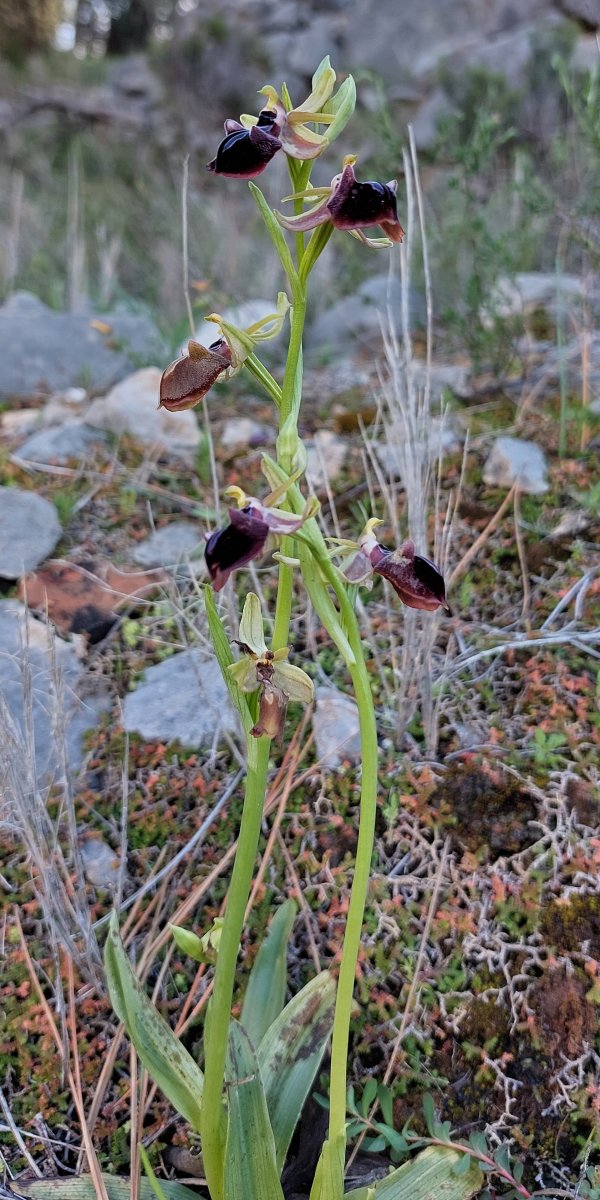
264, 377
362, 866
212, 1126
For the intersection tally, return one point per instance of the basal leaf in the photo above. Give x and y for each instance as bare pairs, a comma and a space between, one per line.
170, 1065
265, 993
290, 1054
250, 1169
431, 1175
81, 1187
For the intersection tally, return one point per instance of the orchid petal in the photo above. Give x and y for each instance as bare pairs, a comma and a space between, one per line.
244, 673
292, 680
304, 222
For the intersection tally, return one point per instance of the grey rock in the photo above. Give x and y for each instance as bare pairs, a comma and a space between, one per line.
425, 123
26, 669
170, 545
62, 443
326, 455
336, 728
29, 531
444, 377
100, 863
131, 408
239, 433
586, 11
515, 461
360, 317
43, 351
182, 699
414, 40
532, 290
585, 52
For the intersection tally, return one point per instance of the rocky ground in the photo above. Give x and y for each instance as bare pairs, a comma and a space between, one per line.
118, 742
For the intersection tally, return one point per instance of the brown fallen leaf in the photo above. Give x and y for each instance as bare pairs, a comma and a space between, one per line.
86, 597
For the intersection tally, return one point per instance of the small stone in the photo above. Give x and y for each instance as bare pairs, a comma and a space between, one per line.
336, 728
239, 433
515, 461
532, 290
19, 421
182, 699
100, 863
169, 545
62, 443
326, 455
29, 531
443, 377
131, 407
61, 686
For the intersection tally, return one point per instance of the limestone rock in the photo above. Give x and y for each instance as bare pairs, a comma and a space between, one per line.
29, 531
170, 545
62, 443
25, 652
131, 408
515, 461
336, 728
43, 351
182, 699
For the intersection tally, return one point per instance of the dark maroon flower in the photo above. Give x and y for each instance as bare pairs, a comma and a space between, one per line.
351, 205
417, 581
245, 152
235, 545
187, 380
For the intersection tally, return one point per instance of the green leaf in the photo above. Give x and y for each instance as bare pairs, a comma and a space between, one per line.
386, 1104
250, 1169
265, 993
328, 1183
222, 649
158, 1048
277, 238
369, 1094
429, 1112
428, 1176
290, 1055
82, 1187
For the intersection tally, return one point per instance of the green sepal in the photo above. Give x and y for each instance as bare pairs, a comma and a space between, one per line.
159, 1049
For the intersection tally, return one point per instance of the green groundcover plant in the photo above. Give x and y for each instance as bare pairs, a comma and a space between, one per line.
259, 1070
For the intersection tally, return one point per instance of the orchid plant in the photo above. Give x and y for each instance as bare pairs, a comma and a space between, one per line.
257, 1067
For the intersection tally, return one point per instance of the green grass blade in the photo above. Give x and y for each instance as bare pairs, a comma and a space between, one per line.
158, 1048
431, 1174
250, 1169
265, 993
290, 1055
